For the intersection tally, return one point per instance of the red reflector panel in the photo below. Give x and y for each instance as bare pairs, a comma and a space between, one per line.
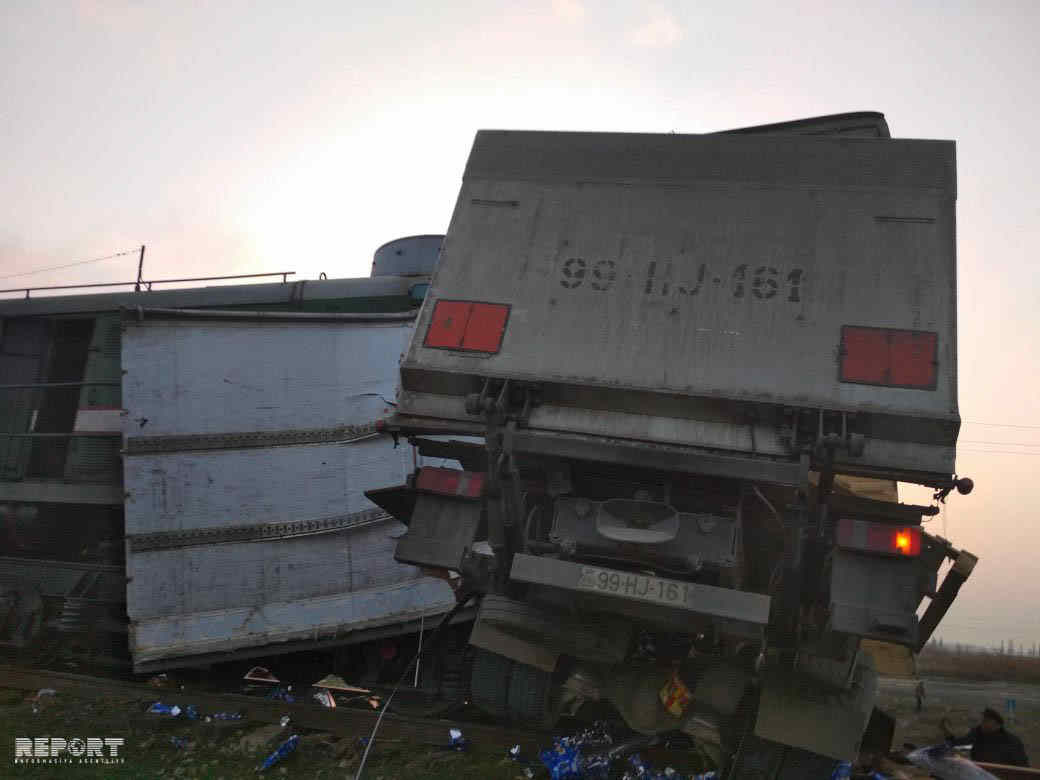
448, 325
450, 482
879, 537
893, 358
467, 326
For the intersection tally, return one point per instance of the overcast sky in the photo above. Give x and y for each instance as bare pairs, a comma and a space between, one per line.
239, 137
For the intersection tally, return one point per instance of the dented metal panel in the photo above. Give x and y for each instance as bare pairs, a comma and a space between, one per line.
270, 623
249, 446
193, 377
215, 489
703, 278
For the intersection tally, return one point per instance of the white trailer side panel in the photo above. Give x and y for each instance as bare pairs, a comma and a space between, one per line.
237, 538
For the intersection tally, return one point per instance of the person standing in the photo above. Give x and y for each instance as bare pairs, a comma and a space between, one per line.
990, 742
919, 693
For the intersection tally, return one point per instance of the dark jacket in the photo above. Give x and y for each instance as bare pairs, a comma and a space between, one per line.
1000, 747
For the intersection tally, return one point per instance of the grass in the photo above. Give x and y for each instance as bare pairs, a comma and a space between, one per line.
978, 666
227, 750
218, 750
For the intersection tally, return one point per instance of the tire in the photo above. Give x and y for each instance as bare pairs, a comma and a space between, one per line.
534, 697
489, 683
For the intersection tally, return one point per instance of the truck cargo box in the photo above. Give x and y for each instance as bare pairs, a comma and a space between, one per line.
720, 292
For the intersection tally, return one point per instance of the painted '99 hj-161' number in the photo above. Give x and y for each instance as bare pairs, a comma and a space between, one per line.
762, 282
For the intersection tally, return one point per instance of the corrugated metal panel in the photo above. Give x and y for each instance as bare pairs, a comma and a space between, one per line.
315, 619
699, 267
210, 489
230, 380
195, 377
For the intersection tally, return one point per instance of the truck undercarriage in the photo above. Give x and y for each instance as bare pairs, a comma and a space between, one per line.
731, 609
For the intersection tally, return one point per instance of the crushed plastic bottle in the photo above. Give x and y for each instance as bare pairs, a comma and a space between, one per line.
282, 694
226, 716
842, 771
324, 698
39, 700
563, 760
283, 750
164, 709
457, 741
284, 721
596, 767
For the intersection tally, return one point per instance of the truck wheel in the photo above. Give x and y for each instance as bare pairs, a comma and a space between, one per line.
489, 682
534, 697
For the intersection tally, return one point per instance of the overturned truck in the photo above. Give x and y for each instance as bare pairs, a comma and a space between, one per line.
684, 374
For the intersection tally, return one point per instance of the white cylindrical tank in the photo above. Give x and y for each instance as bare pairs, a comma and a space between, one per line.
411, 256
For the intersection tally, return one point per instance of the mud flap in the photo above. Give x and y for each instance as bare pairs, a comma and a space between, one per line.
797, 711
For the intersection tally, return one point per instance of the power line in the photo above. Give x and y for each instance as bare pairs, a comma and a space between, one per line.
70, 265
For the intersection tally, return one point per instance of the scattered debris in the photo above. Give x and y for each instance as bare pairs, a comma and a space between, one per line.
283, 750
179, 742
160, 681
284, 721
225, 716
325, 698
282, 694
591, 755
644, 771
42, 696
458, 742
164, 709
261, 674
942, 761
333, 682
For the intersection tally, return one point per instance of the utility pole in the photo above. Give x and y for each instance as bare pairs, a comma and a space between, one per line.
140, 268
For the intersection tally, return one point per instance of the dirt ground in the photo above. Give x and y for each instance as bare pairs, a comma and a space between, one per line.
224, 750
220, 749
234, 749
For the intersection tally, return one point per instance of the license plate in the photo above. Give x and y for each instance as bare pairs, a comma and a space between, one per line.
635, 586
